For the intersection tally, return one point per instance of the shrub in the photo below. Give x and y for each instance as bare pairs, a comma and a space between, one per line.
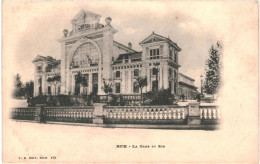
161, 97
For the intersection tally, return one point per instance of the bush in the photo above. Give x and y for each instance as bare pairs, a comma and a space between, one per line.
117, 100
161, 97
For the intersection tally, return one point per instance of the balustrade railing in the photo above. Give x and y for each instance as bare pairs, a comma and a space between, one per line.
66, 114
23, 113
146, 114
209, 114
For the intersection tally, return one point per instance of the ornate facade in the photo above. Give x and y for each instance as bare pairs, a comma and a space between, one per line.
90, 48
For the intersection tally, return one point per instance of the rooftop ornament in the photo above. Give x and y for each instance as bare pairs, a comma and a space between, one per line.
108, 20
65, 32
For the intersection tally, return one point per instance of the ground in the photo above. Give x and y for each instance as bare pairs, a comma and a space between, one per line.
67, 143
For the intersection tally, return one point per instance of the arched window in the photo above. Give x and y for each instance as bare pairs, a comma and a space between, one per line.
85, 55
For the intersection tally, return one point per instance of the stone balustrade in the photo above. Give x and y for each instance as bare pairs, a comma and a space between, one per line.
193, 114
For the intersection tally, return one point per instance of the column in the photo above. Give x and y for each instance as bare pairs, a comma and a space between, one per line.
36, 85
44, 83
123, 82
72, 84
160, 77
90, 83
62, 68
165, 77
148, 88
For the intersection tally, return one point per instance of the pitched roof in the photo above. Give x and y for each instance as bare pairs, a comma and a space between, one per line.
133, 56
123, 46
156, 38
45, 58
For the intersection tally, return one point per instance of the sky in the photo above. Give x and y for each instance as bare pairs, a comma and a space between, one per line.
191, 25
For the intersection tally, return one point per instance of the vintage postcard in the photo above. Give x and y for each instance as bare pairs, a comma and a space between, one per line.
130, 81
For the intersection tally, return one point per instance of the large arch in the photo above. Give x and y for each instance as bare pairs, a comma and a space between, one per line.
78, 44
73, 50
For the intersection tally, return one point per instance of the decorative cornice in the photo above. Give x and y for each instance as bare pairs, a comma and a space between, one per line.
87, 33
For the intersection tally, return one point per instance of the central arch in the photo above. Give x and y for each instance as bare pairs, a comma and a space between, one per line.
73, 51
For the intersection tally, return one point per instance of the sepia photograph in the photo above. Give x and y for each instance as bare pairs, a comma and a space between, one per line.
133, 81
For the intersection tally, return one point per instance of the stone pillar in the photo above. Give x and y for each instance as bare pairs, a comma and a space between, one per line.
72, 84
165, 77
90, 83
160, 86
123, 82
36, 85
44, 84
62, 68
194, 114
148, 88
40, 113
98, 113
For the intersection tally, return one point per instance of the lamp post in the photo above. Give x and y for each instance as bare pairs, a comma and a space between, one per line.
201, 80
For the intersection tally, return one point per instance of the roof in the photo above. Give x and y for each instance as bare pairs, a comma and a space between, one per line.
187, 85
45, 58
159, 38
187, 77
123, 46
133, 56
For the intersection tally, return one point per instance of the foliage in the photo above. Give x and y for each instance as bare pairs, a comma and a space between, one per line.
107, 88
51, 66
93, 98
212, 70
59, 100
160, 97
117, 100
55, 80
29, 88
141, 82
80, 80
19, 90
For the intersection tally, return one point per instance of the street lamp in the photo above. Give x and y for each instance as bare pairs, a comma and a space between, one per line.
201, 80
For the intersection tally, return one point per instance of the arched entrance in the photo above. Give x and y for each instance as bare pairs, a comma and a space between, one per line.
86, 54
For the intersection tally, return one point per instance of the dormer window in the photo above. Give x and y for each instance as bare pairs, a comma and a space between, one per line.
155, 53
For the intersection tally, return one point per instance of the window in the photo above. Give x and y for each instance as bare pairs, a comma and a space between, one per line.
39, 69
155, 85
58, 89
136, 88
175, 56
136, 72
117, 87
170, 54
49, 90
154, 53
117, 73
175, 87
155, 71
175, 74
86, 54
170, 72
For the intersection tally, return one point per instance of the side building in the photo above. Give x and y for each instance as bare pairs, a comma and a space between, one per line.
186, 87
90, 48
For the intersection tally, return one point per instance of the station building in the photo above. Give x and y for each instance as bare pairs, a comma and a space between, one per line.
90, 48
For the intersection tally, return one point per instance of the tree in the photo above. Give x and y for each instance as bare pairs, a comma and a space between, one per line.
18, 91
107, 88
212, 70
28, 89
55, 80
80, 80
141, 82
